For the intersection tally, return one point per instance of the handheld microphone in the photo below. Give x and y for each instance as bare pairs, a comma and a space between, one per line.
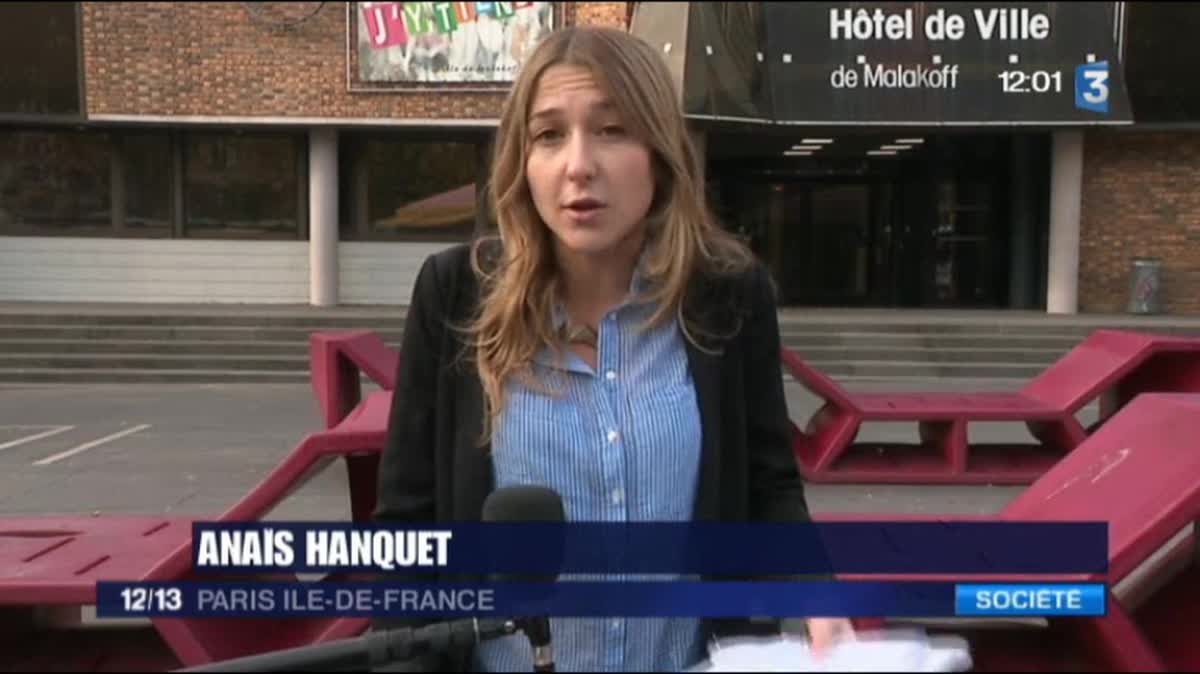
530, 504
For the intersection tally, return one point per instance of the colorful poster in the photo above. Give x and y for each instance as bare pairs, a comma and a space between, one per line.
409, 42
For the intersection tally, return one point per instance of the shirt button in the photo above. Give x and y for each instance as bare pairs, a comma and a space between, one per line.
616, 623
613, 435
610, 375
617, 496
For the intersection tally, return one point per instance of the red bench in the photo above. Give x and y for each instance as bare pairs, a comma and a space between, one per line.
49, 564
1140, 472
1110, 365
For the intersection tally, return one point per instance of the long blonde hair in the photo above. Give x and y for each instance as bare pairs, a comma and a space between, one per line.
519, 281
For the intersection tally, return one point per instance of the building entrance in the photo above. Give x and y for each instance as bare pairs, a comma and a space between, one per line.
959, 222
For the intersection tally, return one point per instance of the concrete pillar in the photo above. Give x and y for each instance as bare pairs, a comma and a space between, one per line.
1066, 193
323, 217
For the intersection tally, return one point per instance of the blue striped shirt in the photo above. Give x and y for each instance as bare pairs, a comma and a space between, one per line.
622, 443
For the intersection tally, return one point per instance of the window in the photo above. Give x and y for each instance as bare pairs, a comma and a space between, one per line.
410, 189
125, 182
148, 186
39, 58
55, 182
239, 186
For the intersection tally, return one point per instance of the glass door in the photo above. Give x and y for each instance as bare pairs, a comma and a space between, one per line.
963, 245
827, 243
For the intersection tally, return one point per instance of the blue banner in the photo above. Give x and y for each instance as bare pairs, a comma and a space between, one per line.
657, 548
579, 599
1023, 599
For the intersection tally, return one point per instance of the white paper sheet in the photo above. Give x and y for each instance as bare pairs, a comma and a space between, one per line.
888, 650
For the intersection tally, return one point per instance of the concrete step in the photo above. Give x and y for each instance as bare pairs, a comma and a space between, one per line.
35, 347
933, 329
246, 318
120, 361
183, 333
923, 321
968, 332
884, 369
1060, 343
119, 376
958, 355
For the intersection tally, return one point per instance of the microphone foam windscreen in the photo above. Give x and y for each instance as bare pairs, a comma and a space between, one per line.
524, 504
531, 505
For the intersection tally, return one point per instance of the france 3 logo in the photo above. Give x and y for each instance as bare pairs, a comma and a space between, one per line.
1091, 86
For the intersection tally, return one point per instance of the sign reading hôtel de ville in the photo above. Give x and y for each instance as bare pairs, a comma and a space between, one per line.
934, 62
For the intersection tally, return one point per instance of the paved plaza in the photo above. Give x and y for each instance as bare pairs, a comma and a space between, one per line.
193, 450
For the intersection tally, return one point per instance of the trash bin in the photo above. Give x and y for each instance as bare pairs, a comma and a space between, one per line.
1145, 286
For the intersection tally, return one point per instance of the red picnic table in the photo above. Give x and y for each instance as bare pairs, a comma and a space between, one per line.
1110, 366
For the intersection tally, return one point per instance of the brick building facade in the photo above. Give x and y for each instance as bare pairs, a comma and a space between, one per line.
1141, 198
227, 152
222, 59
219, 152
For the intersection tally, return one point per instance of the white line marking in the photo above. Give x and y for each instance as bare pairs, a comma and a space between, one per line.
88, 445
54, 430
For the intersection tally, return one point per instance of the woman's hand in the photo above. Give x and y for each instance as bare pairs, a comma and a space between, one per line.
823, 633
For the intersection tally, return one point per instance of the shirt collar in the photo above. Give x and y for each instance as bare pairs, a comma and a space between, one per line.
638, 284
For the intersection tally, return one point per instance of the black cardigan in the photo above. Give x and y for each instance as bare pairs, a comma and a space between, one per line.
433, 468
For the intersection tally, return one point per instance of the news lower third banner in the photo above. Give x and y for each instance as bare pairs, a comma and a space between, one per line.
712, 549
231, 599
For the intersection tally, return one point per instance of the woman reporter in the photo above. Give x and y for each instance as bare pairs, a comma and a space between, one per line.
611, 342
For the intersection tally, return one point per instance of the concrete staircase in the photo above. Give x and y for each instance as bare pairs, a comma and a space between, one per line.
214, 344
210, 344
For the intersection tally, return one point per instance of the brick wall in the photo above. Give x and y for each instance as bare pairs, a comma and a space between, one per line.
602, 13
215, 58
1141, 197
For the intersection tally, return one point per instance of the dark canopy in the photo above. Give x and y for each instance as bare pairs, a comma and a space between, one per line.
776, 62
